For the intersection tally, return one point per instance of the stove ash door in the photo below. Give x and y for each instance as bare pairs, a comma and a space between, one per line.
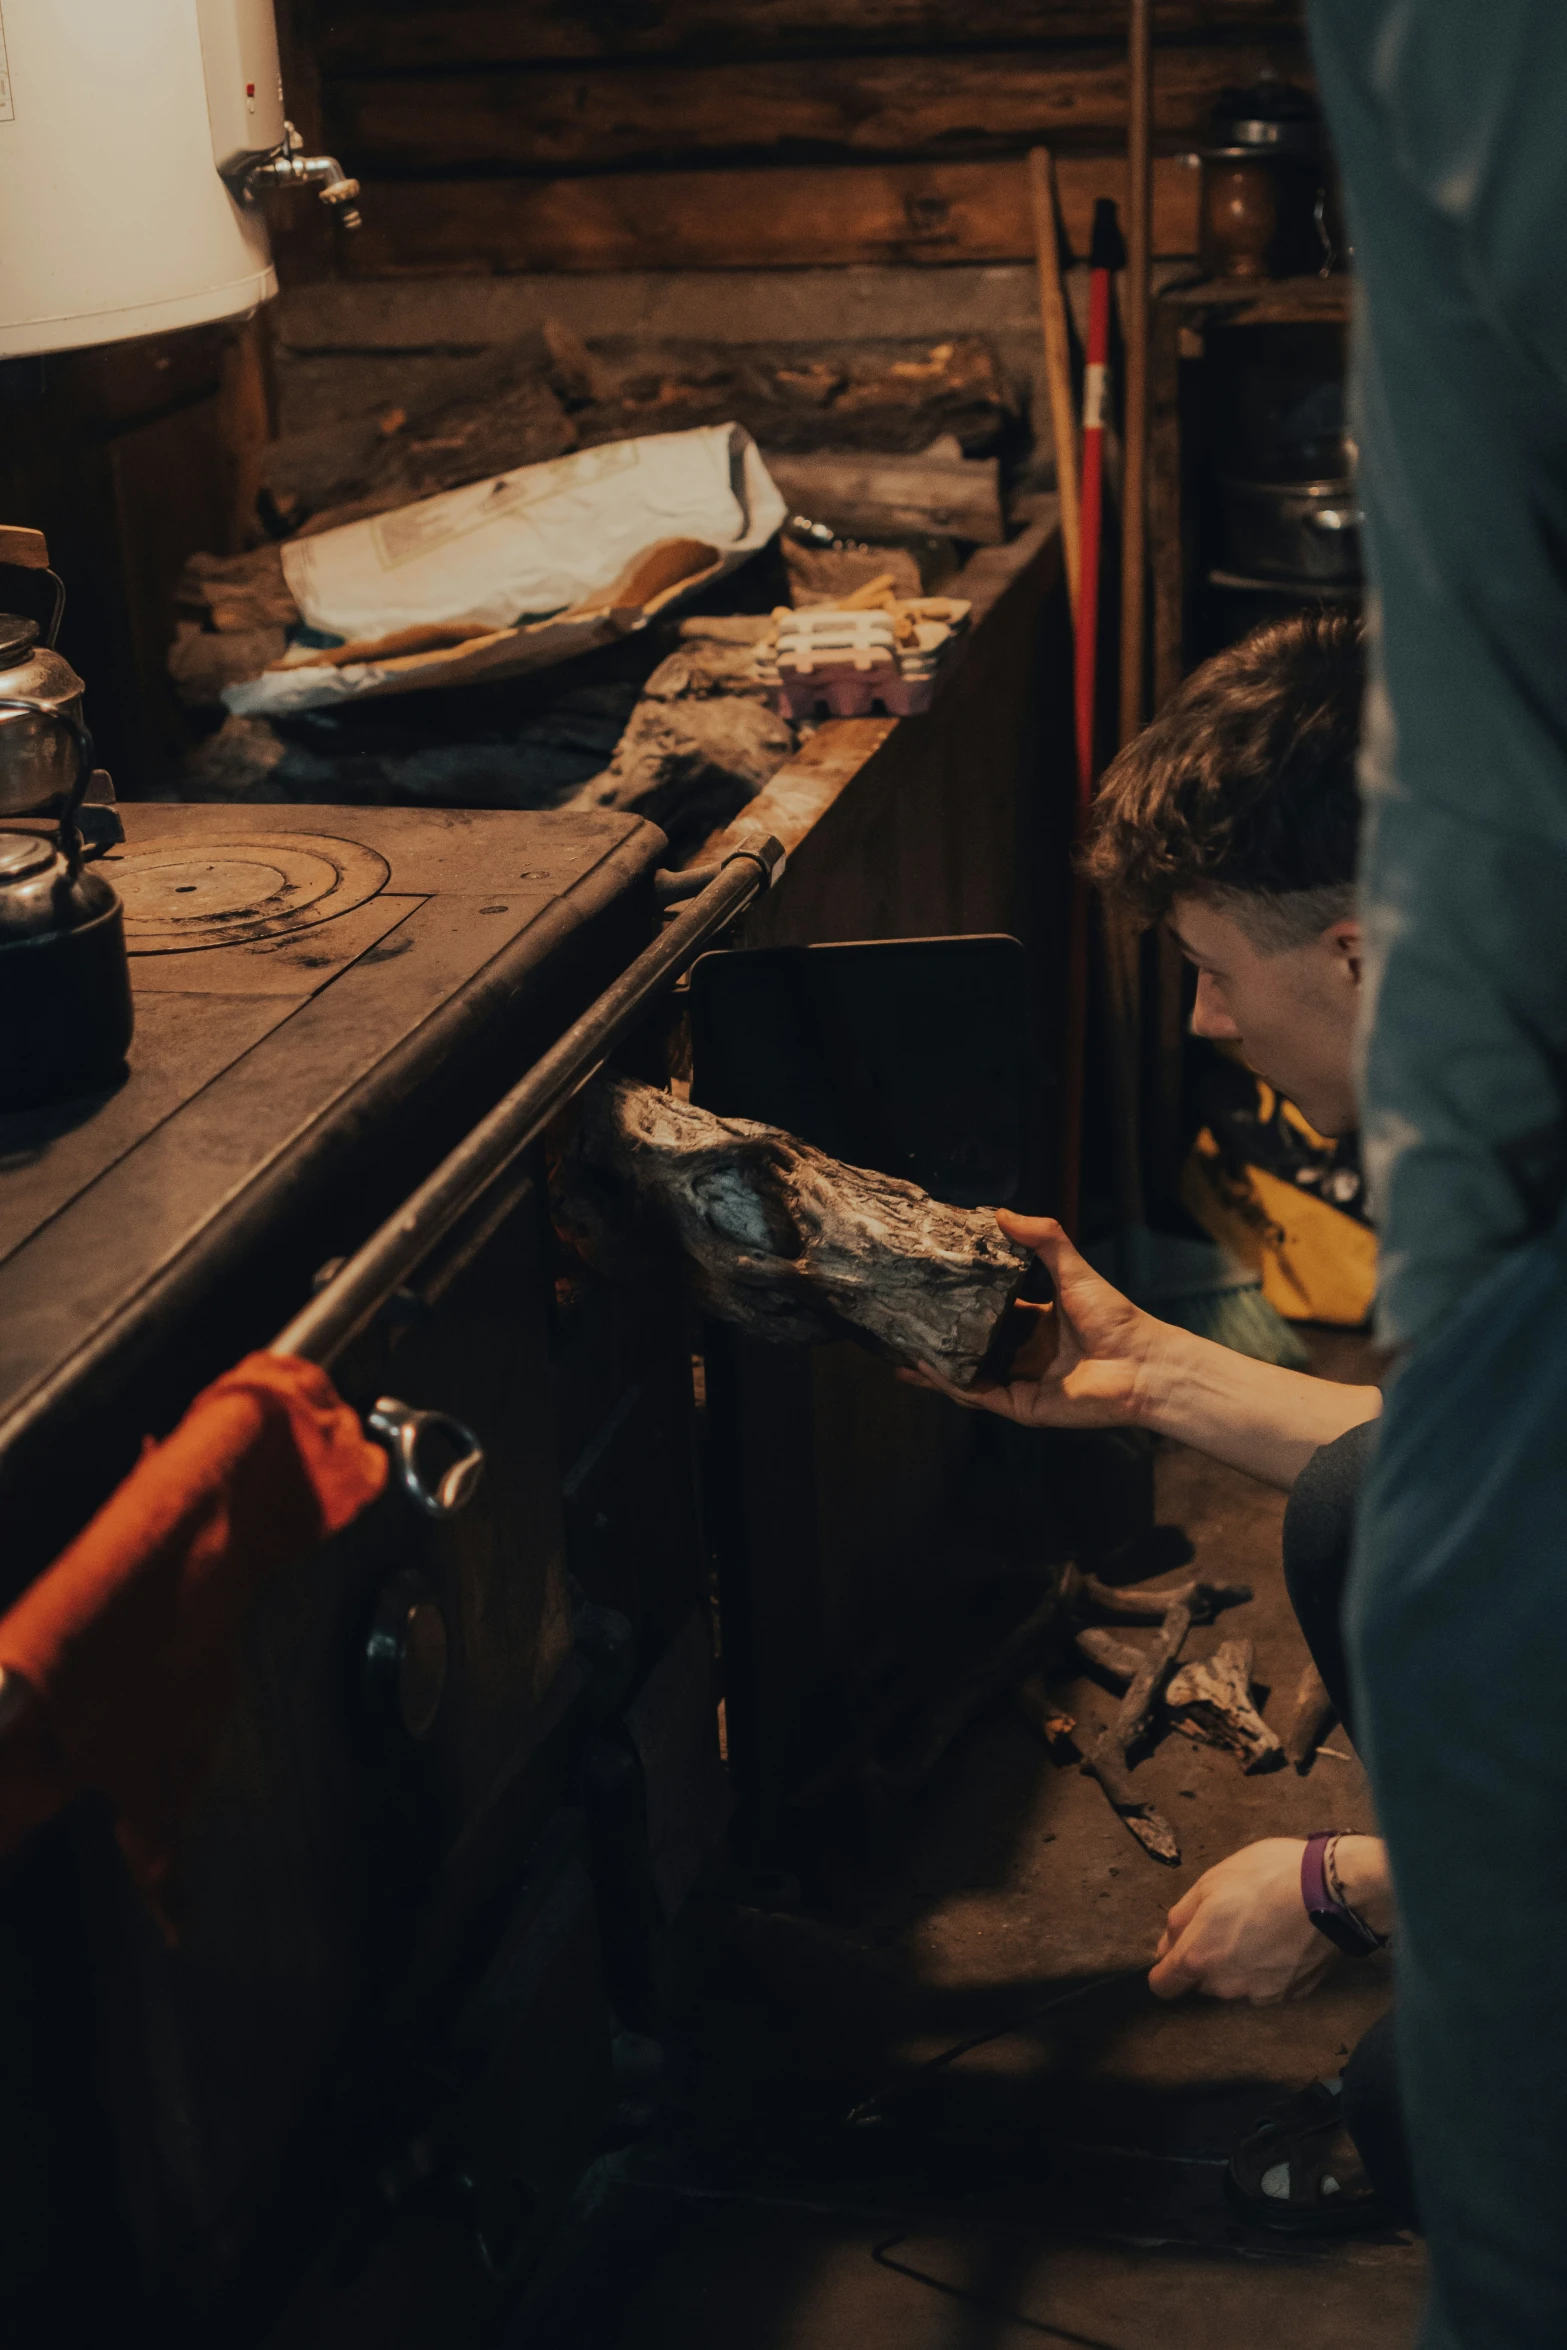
386, 1785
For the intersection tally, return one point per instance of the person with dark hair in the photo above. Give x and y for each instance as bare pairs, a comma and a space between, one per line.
1233, 818
1244, 786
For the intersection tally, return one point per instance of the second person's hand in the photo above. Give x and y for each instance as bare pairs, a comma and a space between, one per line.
1242, 1932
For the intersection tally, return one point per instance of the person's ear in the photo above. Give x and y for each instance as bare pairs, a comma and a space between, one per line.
1345, 942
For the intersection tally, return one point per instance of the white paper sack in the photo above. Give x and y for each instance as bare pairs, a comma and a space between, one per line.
541, 539
485, 660
534, 541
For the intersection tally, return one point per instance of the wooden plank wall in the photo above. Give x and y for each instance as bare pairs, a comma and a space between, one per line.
535, 135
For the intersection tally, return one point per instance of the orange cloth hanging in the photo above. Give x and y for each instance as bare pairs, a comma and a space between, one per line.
128, 1642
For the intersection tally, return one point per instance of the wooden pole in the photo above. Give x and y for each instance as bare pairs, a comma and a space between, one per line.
1058, 357
1104, 256
1134, 501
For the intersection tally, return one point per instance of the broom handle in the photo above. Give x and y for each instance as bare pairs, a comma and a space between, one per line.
1058, 356
1085, 680
1134, 500
1085, 674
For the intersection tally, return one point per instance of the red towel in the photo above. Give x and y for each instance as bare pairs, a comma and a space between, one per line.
128, 1642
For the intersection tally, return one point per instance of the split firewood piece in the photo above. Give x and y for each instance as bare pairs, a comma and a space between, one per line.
1212, 1700
956, 1709
1315, 1715
1178, 1606
1119, 1658
1147, 1607
781, 1239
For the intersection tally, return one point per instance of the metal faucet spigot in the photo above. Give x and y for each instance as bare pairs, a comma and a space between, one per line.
291, 167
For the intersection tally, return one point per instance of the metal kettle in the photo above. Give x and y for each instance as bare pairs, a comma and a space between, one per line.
37, 759
65, 979
65, 988
37, 755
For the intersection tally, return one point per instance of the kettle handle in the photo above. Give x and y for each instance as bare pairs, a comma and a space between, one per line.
22, 549
64, 805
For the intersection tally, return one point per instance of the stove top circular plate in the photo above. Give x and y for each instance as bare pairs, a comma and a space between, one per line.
182, 894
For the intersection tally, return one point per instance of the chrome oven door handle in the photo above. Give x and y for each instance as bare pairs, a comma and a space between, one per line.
410, 1436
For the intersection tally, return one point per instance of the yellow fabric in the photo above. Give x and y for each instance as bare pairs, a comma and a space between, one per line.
1316, 1265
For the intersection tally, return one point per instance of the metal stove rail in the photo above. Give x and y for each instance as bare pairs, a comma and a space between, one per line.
357, 1291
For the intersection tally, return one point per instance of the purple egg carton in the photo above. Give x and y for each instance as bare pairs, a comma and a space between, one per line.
838, 689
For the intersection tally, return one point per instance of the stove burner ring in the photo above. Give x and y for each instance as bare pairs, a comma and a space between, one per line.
182, 894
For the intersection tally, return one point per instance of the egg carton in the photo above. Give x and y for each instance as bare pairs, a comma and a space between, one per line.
845, 663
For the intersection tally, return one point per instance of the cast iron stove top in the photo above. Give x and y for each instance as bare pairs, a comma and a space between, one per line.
319, 991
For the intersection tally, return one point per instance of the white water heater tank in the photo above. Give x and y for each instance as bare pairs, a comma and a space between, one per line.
126, 129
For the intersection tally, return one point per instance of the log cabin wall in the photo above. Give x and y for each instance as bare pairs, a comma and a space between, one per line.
749, 169
668, 134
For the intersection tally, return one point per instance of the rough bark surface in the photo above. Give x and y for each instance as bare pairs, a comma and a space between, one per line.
1212, 1700
1314, 1716
781, 1239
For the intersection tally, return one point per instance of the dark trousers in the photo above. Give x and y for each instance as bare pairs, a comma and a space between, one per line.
1319, 1527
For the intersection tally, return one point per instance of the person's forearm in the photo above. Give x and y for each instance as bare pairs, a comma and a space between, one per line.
1253, 1416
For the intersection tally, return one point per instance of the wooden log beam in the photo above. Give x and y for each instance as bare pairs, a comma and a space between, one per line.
761, 219
604, 118
407, 36
781, 1239
881, 496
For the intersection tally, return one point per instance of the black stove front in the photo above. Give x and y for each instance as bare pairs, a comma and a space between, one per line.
380, 2050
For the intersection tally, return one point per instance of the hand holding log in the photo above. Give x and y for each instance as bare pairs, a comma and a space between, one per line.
781, 1239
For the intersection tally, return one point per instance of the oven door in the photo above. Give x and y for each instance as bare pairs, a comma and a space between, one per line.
395, 1758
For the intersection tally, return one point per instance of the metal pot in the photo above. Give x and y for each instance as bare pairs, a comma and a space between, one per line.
1306, 532
37, 757
1271, 118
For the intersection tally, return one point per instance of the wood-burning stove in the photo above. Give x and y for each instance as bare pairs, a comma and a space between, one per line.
353, 2095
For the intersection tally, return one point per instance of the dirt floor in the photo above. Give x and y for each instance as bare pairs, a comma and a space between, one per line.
1064, 2182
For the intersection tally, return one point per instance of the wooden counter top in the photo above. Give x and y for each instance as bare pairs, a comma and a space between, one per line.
899, 827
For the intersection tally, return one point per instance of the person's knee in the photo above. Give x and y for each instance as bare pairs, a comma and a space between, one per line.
1319, 1526
1319, 1522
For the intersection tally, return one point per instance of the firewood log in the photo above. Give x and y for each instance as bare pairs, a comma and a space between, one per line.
1212, 1700
781, 1239
1314, 1716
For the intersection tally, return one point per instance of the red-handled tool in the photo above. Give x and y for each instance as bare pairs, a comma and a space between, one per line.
1106, 255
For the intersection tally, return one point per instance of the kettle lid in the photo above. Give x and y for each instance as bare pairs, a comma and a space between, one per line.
17, 637
23, 854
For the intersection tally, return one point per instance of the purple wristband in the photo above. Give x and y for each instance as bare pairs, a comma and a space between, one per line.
1328, 1915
